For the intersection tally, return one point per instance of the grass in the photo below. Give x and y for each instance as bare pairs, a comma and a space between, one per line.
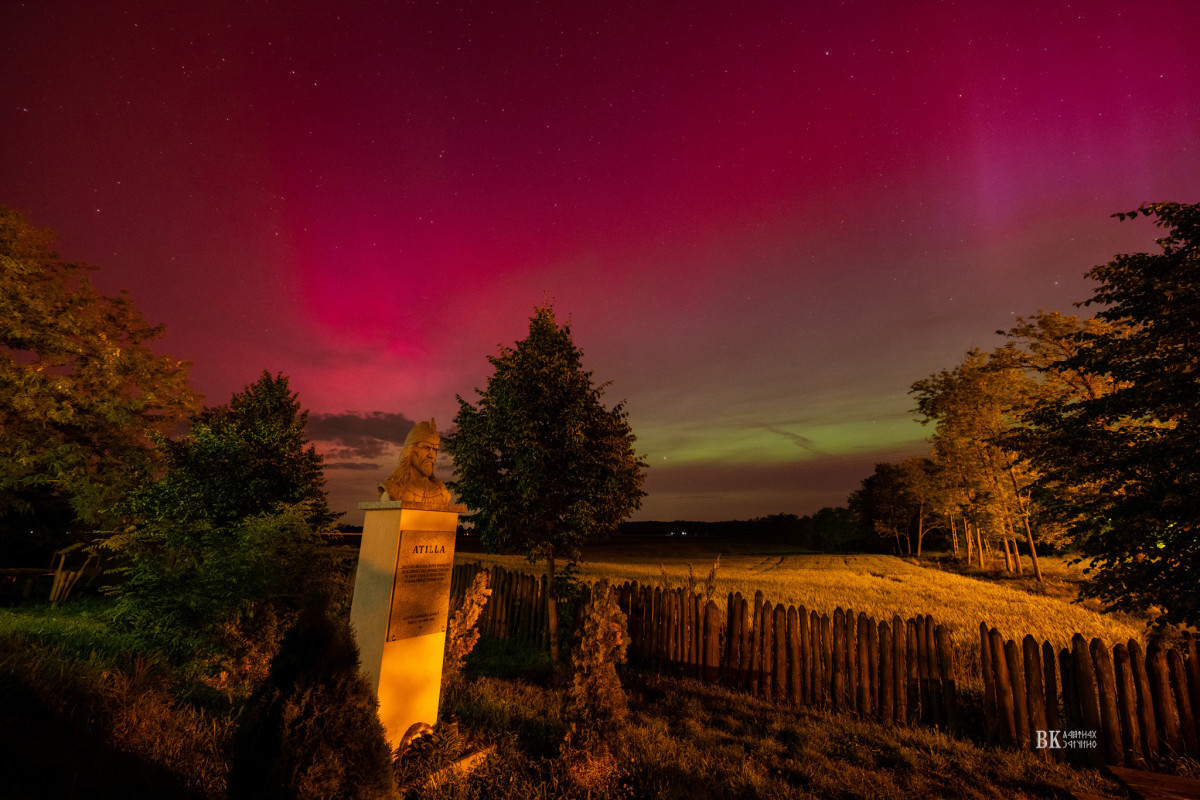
107, 724
880, 585
688, 740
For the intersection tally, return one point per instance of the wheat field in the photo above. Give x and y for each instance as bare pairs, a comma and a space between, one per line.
880, 585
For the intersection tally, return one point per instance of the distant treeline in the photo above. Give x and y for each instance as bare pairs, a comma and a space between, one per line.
830, 529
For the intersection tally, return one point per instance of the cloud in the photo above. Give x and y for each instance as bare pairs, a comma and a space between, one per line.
353, 438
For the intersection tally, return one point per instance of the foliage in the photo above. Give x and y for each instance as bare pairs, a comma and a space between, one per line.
596, 703
192, 587
1130, 453
225, 543
240, 460
461, 631
541, 462
312, 729
81, 392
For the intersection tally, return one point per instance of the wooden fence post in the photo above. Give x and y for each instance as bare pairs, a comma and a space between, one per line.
1106, 684
1035, 694
820, 662
767, 674
756, 643
949, 678
805, 655
851, 662
766, 640
826, 662
838, 680
1127, 714
912, 664
1145, 701
734, 636
886, 680
731, 626
1005, 719
862, 700
1050, 686
899, 672
795, 659
711, 661
781, 654
872, 666
749, 638
1089, 700
1020, 701
1183, 702
1193, 675
991, 724
936, 715
923, 671
1160, 688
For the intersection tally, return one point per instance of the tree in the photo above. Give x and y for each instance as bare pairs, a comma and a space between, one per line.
1134, 448
541, 462
227, 538
923, 482
81, 392
882, 506
246, 458
974, 406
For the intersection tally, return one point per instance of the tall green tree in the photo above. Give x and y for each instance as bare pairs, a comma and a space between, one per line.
82, 393
539, 459
248, 457
1135, 447
227, 537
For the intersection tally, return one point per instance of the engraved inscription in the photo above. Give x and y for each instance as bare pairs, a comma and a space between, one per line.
421, 589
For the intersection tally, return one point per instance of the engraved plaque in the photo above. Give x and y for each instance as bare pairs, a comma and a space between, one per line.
421, 587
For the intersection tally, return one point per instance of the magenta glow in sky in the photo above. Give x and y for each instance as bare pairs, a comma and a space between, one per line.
763, 220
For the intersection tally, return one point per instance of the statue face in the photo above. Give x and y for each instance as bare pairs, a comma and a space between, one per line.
424, 456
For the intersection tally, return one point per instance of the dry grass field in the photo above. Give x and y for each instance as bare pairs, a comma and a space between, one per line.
880, 585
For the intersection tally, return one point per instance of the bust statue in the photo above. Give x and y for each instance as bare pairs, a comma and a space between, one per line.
413, 481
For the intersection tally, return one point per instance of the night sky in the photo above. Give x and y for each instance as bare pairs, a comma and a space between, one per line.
763, 221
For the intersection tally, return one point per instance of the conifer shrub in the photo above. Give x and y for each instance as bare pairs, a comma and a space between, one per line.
312, 730
462, 632
596, 701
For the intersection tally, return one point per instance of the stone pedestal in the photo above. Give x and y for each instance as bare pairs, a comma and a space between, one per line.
401, 602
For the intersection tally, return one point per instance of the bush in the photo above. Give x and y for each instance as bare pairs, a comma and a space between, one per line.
596, 701
312, 729
461, 631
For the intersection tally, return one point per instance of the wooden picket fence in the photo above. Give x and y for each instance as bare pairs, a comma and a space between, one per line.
1092, 704
899, 672
517, 608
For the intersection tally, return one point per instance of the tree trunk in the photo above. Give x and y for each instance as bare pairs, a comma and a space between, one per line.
1012, 535
920, 528
1037, 568
953, 534
970, 541
552, 610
